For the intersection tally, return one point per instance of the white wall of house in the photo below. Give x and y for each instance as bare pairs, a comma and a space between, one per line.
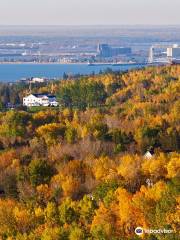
148, 155
31, 100
44, 100
39, 80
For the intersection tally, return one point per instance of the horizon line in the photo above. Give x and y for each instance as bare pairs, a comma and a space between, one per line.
85, 25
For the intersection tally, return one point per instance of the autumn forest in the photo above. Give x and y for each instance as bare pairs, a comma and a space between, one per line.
80, 171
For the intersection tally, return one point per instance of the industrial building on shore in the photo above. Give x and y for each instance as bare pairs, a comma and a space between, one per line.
105, 51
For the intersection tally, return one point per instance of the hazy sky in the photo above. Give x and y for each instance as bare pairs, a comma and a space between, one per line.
83, 12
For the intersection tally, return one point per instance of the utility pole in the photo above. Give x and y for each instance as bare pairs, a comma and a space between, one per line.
30, 88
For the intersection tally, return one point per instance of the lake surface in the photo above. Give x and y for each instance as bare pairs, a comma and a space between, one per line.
14, 72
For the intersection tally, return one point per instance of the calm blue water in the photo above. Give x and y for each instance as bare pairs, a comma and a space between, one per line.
14, 72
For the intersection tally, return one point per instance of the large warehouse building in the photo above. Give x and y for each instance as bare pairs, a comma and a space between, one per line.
105, 50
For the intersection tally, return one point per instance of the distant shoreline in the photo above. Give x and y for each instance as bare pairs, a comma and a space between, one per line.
78, 63
57, 63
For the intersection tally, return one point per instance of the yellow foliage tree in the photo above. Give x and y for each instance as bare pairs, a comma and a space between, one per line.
104, 168
156, 167
130, 166
173, 167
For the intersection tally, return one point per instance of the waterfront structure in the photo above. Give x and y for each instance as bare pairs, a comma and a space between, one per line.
158, 54
105, 50
151, 55
170, 52
173, 52
34, 100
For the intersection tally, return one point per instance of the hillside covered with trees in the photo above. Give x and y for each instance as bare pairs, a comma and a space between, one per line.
78, 172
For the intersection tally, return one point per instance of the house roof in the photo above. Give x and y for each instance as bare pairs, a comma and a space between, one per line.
40, 95
148, 155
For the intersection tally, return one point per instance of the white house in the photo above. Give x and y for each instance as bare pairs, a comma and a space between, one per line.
40, 100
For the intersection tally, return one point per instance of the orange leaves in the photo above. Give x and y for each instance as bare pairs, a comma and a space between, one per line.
70, 178
124, 200
23, 218
70, 186
121, 218
173, 167
104, 219
44, 193
7, 219
48, 128
155, 192
44, 117
104, 168
6, 158
50, 132
156, 167
130, 166
15, 217
129, 216
173, 218
163, 166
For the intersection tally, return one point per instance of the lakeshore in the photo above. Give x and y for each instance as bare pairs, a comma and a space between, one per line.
75, 63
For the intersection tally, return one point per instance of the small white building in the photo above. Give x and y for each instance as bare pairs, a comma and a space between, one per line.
38, 80
40, 100
149, 155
